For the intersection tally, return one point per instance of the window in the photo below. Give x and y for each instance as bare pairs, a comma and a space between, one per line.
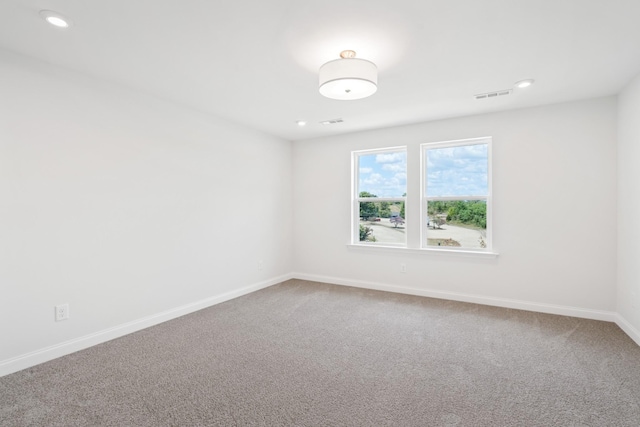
379, 197
451, 212
456, 202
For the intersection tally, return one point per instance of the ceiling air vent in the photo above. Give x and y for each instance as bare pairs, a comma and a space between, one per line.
493, 94
331, 122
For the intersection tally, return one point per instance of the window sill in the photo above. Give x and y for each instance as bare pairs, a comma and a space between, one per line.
437, 252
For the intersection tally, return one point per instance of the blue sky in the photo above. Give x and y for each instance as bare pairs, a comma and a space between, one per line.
457, 171
384, 174
451, 171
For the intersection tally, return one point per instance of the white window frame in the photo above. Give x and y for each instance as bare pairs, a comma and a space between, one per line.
425, 198
356, 199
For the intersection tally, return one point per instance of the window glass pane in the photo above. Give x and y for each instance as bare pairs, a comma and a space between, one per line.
374, 210
457, 171
382, 174
458, 223
382, 222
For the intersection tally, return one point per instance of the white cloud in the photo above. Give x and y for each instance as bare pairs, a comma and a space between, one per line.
391, 157
374, 179
383, 174
394, 167
401, 176
457, 171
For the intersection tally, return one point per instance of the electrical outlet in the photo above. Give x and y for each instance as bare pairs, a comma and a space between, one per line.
403, 267
62, 312
260, 265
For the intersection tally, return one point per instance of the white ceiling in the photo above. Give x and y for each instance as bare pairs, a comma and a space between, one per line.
255, 62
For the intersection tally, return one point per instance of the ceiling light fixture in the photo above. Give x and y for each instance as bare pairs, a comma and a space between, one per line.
524, 83
301, 123
348, 78
55, 19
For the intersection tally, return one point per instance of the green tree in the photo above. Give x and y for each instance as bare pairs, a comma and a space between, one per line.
368, 209
385, 209
470, 212
436, 212
366, 234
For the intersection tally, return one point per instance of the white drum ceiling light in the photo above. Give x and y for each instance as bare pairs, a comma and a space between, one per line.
348, 78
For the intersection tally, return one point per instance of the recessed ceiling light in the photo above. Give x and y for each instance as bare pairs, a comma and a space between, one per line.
55, 19
301, 123
524, 83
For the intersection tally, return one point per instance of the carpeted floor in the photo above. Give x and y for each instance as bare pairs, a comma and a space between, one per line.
311, 354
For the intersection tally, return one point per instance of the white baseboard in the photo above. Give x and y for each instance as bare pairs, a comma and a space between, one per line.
608, 316
24, 361
628, 329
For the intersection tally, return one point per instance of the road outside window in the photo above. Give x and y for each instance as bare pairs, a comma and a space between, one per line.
456, 200
380, 197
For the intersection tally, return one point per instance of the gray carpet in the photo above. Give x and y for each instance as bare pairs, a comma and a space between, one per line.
311, 354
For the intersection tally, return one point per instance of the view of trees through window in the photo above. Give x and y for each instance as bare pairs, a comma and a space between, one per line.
381, 197
370, 210
456, 194
454, 223
455, 204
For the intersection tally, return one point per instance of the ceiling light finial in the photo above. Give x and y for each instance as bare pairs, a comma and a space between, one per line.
348, 54
348, 78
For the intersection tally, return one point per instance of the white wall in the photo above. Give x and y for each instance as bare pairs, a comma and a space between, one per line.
125, 206
554, 172
629, 207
